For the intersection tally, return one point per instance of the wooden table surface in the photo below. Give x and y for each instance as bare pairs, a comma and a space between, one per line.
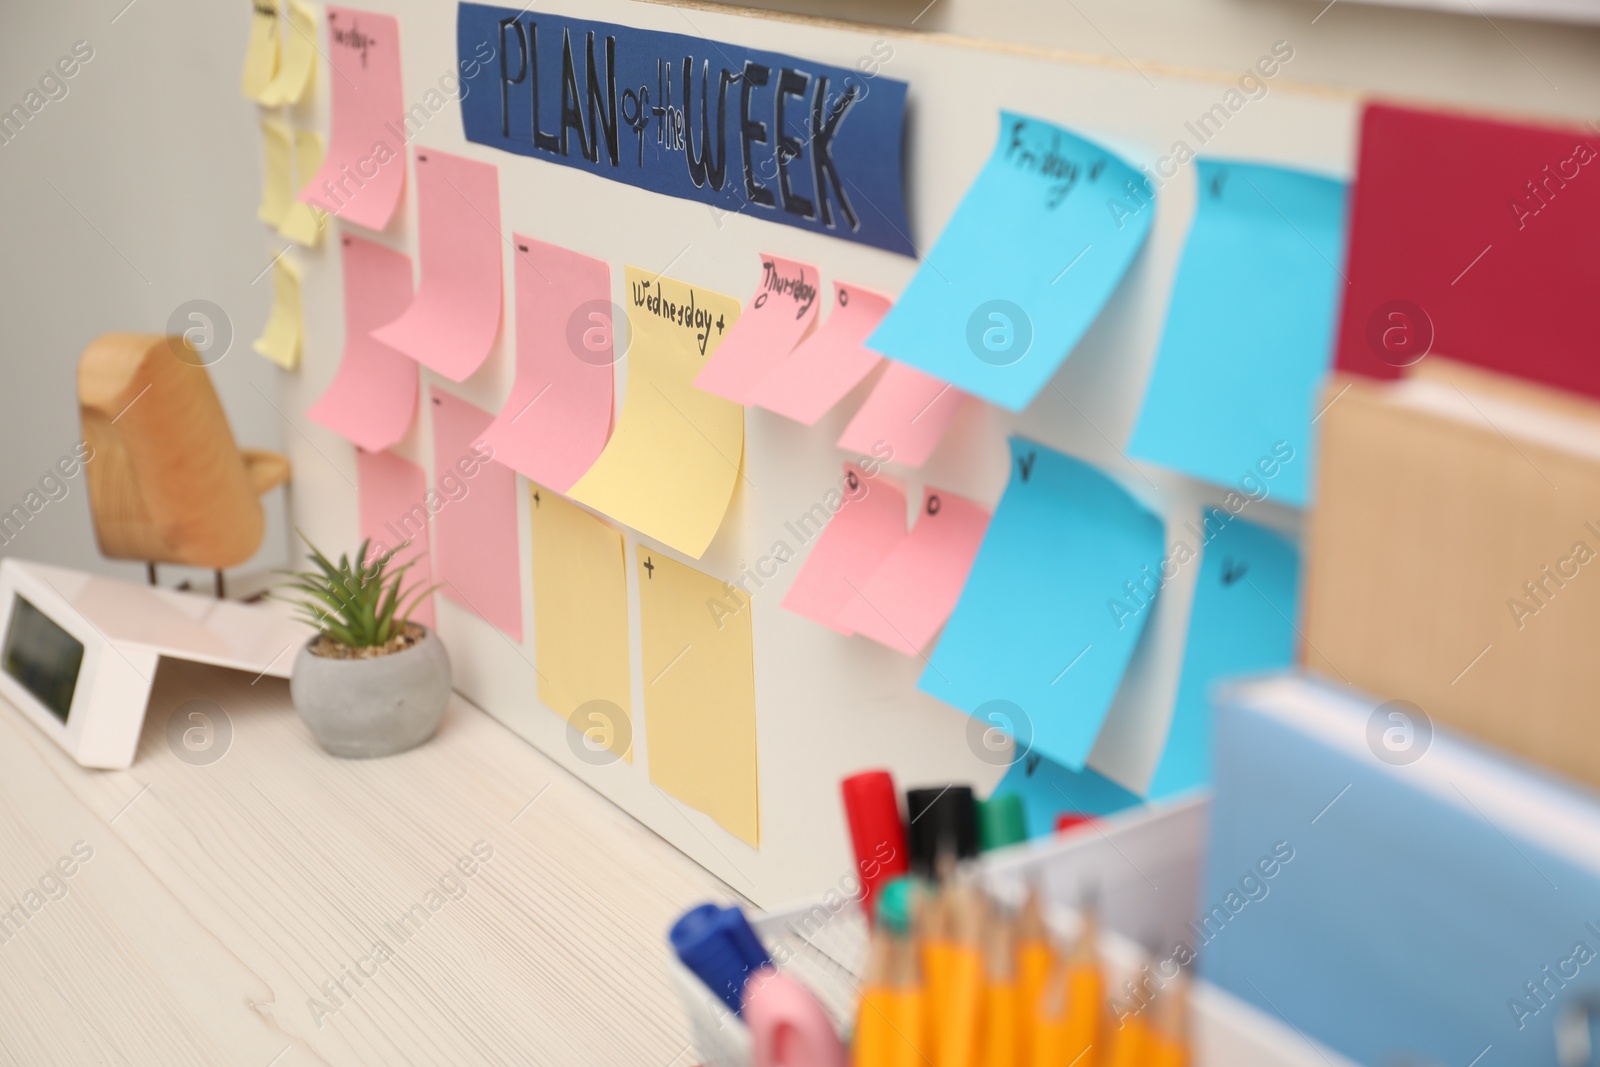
277, 907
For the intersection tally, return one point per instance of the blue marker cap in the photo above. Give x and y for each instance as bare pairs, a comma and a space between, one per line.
719, 946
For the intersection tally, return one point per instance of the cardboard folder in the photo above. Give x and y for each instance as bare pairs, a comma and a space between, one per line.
1455, 557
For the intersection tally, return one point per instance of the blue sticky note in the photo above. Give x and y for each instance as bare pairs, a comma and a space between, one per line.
1246, 596
1048, 789
1062, 586
1030, 256
1250, 330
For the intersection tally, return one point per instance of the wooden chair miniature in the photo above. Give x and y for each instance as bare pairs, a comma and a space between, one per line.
167, 483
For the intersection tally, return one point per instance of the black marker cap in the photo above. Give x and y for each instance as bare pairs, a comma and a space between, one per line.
941, 818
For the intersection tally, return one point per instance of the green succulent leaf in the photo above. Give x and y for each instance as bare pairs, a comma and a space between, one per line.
359, 604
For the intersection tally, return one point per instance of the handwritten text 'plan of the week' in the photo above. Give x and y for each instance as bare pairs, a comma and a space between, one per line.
759, 133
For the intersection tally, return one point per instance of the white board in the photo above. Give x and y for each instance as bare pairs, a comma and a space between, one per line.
827, 705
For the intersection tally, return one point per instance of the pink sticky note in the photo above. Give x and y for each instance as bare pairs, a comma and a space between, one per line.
829, 363
914, 589
907, 410
452, 321
775, 320
393, 498
374, 393
475, 526
364, 170
860, 535
558, 418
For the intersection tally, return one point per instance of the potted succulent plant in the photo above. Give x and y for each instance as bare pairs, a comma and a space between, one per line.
370, 682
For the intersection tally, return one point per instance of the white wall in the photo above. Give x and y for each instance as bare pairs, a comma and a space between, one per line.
130, 195
1483, 62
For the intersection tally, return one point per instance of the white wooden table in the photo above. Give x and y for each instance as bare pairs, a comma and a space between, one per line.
279, 907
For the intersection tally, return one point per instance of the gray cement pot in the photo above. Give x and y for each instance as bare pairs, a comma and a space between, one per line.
359, 708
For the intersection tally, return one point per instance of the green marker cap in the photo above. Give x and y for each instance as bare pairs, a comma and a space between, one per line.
1001, 822
894, 904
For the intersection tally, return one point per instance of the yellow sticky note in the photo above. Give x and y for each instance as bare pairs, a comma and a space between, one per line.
580, 620
276, 192
699, 691
280, 341
299, 58
261, 51
303, 223
670, 467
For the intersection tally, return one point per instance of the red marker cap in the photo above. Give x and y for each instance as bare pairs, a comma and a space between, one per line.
1070, 821
876, 833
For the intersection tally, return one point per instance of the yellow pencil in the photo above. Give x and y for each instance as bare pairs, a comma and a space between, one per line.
907, 1042
1001, 995
1171, 1035
875, 1013
933, 941
1131, 1045
962, 1008
1035, 961
1085, 996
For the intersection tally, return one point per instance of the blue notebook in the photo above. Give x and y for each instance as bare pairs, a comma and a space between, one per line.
1428, 901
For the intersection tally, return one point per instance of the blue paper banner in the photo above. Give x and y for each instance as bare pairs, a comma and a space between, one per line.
758, 133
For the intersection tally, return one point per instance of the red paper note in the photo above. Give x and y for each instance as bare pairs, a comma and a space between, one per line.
558, 418
451, 323
1474, 240
780, 314
373, 396
364, 171
393, 495
913, 591
907, 410
867, 527
475, 524
828, 364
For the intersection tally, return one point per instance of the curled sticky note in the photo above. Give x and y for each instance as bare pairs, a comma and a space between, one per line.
558, 417
451, 323
1240, 365
1239, 624
1070, 216
364, 171
870, 522
670, 468
261, 51
298, 63
373, 396
277, 194
829, 363
281, 338
302, 223
475, 528
781, 313
1050, 614
392, 498
911, 593
907, 412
